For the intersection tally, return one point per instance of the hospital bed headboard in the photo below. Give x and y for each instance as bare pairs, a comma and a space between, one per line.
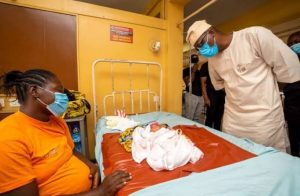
144, 96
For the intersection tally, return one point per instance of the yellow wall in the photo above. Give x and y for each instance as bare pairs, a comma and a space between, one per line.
94, 43
174, 56
271, 13
93, 23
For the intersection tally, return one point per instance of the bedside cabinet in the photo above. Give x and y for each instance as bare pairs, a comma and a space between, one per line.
78, 130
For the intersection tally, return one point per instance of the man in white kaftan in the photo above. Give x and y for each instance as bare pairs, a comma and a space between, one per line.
248, 65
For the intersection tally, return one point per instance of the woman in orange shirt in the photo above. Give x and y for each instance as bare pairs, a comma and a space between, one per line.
37, 155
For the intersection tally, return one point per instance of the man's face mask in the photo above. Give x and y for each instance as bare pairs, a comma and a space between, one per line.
60, 104
296, 48
208, 51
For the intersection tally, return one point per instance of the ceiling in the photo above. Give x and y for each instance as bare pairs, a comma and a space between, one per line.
218, 13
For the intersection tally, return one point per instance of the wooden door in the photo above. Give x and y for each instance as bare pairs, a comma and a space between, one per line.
31, 38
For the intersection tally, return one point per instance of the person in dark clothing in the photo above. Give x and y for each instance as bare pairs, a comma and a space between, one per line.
292, 101
213, 100
193, 101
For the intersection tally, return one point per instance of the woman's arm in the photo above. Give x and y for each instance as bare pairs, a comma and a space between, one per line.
110, 186
30, 189
94, 169
81, 157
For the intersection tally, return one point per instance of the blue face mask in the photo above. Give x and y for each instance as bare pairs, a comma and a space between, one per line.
208, 51
296, 48
60, 104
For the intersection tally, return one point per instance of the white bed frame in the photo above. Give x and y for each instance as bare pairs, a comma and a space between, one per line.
157, 99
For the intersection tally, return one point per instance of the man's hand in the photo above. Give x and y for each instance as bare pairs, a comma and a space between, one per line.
114, 182
206, 101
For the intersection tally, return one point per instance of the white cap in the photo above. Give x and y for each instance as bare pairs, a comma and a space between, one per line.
196, 30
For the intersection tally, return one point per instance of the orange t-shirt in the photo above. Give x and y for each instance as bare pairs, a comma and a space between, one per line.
31, 149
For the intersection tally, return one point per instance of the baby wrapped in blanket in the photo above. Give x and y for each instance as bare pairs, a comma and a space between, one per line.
163, 148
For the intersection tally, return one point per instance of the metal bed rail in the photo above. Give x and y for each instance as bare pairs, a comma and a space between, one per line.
133, 93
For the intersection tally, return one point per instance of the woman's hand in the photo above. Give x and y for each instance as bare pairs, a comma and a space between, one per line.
94, 169
94, 175
114, 182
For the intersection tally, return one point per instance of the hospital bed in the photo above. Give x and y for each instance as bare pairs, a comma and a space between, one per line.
267, 172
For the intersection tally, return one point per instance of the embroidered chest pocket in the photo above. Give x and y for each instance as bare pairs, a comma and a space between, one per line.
49, 152
250, 68
52, 153
248, 62
241, 68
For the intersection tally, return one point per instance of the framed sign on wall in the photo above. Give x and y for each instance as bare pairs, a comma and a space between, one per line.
121, 34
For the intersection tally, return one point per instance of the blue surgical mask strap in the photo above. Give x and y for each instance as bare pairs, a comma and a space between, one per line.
60, 104
46, 90
40, 99
207, 39
208, 51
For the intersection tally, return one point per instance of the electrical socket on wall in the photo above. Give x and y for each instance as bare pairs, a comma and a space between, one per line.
2, 104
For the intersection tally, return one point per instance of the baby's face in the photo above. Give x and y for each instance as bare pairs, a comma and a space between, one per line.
155, 126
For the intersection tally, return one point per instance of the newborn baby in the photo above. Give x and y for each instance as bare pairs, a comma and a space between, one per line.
163, 148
